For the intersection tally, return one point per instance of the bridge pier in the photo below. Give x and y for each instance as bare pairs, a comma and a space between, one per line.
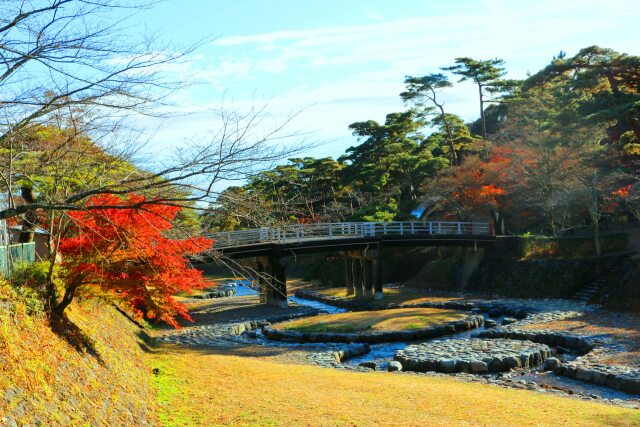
356, 265
363, 273
377, 279
348, 268
272, 278
367, 283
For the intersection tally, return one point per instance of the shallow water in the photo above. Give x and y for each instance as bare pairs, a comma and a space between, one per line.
551, 380
326, 308
243, 288
383, 353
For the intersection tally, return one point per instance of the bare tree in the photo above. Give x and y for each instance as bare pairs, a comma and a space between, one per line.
71, 64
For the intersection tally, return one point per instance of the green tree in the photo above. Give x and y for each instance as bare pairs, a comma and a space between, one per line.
391, 161
606, 83
422, 91
485, 74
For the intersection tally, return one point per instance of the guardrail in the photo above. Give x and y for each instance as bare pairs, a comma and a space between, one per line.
299, 232
16, 255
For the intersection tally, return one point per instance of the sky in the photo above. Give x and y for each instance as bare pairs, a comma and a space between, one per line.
332, 63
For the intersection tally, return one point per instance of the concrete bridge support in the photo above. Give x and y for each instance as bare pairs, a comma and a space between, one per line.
272, 278
348, 268
356, 265
363, 273
377, 279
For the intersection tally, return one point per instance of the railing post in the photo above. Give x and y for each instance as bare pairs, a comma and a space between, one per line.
459, 228
430, 227
384, 228
401, 228
413, 231
330, 230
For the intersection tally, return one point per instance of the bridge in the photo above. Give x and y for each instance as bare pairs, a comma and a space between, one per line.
360, 244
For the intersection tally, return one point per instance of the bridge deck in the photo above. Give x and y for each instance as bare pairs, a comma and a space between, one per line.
318, 237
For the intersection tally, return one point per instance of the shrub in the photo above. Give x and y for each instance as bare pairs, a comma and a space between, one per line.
538, 247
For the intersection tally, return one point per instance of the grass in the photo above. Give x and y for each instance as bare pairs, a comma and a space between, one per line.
205, 388
45, 380
400, 296
382, 320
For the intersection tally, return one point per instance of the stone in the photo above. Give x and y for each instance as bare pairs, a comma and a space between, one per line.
490, 323
511, 362
463, 366
394, 366
496, 355
478, 367
584, 374
447, 365
551, 364
508, 321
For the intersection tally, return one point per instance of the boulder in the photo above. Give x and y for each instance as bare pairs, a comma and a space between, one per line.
447, 365
370, 365
508, 321
478, 367
490, 323
551, 364
394, 366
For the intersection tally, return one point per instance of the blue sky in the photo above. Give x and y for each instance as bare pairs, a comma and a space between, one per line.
345, 61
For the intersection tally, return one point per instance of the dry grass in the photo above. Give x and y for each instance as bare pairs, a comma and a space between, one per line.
624, 327
43, 378
200, 388
382, 320
400, 296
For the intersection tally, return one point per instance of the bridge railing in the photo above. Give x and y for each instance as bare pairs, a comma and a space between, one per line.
299, 232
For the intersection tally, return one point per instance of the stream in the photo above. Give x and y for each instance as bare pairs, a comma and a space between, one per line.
383, 353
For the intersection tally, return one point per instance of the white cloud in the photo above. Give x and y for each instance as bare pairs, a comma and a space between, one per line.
351, 73
375, 16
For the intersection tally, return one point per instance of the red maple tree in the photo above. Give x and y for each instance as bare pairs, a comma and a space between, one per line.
126, 255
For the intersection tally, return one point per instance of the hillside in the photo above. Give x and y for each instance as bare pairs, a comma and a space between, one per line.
44, 380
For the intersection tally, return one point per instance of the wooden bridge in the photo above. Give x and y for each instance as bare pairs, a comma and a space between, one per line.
360, 243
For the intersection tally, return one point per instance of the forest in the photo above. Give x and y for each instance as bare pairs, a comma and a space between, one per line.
553, 153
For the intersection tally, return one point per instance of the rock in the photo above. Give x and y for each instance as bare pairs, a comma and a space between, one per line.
511, 362
508, 321
478, 367
370, 365
447, 365
490, 323
495, 313
551, 364
394, 366
584, 374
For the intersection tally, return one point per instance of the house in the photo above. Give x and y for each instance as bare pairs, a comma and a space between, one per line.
40, 238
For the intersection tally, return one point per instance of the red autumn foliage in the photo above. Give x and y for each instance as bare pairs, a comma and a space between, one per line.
124, 254
622, 192
474, 187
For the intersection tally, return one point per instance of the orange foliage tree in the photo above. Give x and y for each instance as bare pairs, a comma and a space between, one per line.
476, 187
125, 255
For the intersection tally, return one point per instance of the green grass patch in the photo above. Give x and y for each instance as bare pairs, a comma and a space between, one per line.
382, 320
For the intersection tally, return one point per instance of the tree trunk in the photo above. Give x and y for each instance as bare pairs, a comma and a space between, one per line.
69, 293
484, 124
498, 222
453, 156
29, 222
595, 215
